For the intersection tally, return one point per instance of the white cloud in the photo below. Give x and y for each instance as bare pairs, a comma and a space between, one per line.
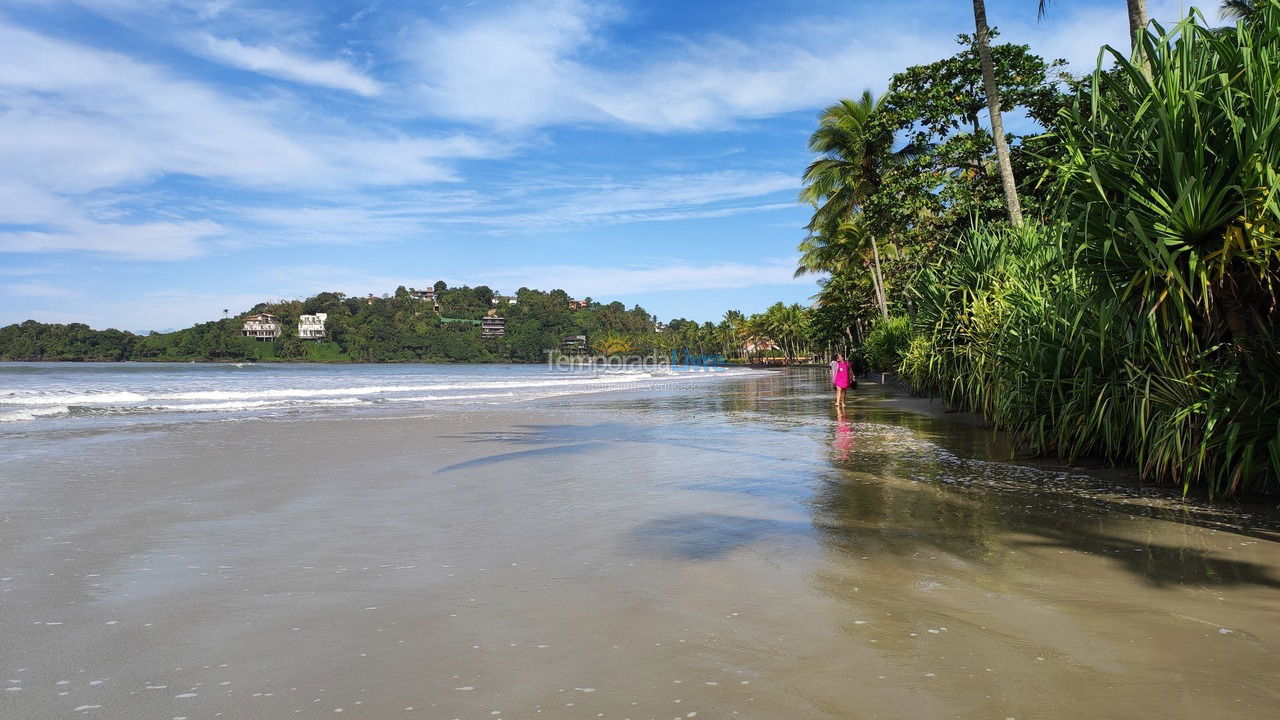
51, 223
35, 288
668, 197
548, 62
146, 13
79, 119
513, 68
76, 121
582, 280
273, 61
716, 81
140, 241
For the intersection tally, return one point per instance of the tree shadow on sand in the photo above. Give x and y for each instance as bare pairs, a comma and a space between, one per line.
876, 504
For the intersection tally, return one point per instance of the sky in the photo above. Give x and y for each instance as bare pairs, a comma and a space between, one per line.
163, 160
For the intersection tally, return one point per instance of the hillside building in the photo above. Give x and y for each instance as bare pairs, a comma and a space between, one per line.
493, 326
263, 326
426, 295
311, 327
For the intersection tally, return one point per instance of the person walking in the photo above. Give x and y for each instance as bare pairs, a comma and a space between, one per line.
841, 377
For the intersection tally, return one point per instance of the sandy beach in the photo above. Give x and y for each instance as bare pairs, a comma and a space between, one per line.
729, 550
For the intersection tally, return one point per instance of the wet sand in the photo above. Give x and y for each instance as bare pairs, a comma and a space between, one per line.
721, 552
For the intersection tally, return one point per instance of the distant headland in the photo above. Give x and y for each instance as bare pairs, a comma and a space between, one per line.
437, 324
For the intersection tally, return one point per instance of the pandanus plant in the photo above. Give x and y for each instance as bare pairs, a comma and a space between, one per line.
1142, 327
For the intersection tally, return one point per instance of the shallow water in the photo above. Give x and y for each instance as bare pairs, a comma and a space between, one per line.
726, 549
48, 397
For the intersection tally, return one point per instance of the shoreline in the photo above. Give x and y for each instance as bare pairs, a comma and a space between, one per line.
897, 394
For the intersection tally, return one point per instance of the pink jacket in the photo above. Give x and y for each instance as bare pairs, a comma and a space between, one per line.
841, 375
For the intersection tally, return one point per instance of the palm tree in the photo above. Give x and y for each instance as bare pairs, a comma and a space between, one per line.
853, 152
1138, 16
784, 326
733, 326
840, 250
754, 334
983, 40
1239, 9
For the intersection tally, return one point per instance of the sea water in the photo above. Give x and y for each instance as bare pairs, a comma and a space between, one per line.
47, 396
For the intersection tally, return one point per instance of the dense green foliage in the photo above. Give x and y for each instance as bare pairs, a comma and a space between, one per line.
898, 176
399, 328
887, 343
32, 340
1135, 318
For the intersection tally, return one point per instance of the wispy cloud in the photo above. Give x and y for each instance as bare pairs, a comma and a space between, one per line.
77, 121
583, 280
276, 62
81, 119
549, 62
309, 279
141, 241
35, 288
611, 201
44, 222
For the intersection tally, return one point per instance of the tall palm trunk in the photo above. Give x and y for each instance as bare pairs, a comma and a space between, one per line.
1138, 22
877, 279
1137, 19
983, 41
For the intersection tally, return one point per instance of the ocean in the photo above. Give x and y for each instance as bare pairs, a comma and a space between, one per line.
75, 396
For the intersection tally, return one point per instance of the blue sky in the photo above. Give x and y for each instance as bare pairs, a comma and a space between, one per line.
161, 160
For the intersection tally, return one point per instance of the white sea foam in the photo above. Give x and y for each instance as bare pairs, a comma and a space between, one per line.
73, 399
251, 404
619, 377
391, 389
34, 413
100, 393
473, 396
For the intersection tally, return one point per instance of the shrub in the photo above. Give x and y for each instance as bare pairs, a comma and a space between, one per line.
887, 343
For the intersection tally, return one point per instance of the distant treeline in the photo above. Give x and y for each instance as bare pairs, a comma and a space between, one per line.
397, 328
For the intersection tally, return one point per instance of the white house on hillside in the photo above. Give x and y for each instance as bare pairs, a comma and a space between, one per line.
311, 327
263, 326
493, 326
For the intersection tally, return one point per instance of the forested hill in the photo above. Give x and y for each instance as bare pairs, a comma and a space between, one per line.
397, 328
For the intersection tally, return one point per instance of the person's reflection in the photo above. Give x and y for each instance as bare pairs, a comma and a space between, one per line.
843, 443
